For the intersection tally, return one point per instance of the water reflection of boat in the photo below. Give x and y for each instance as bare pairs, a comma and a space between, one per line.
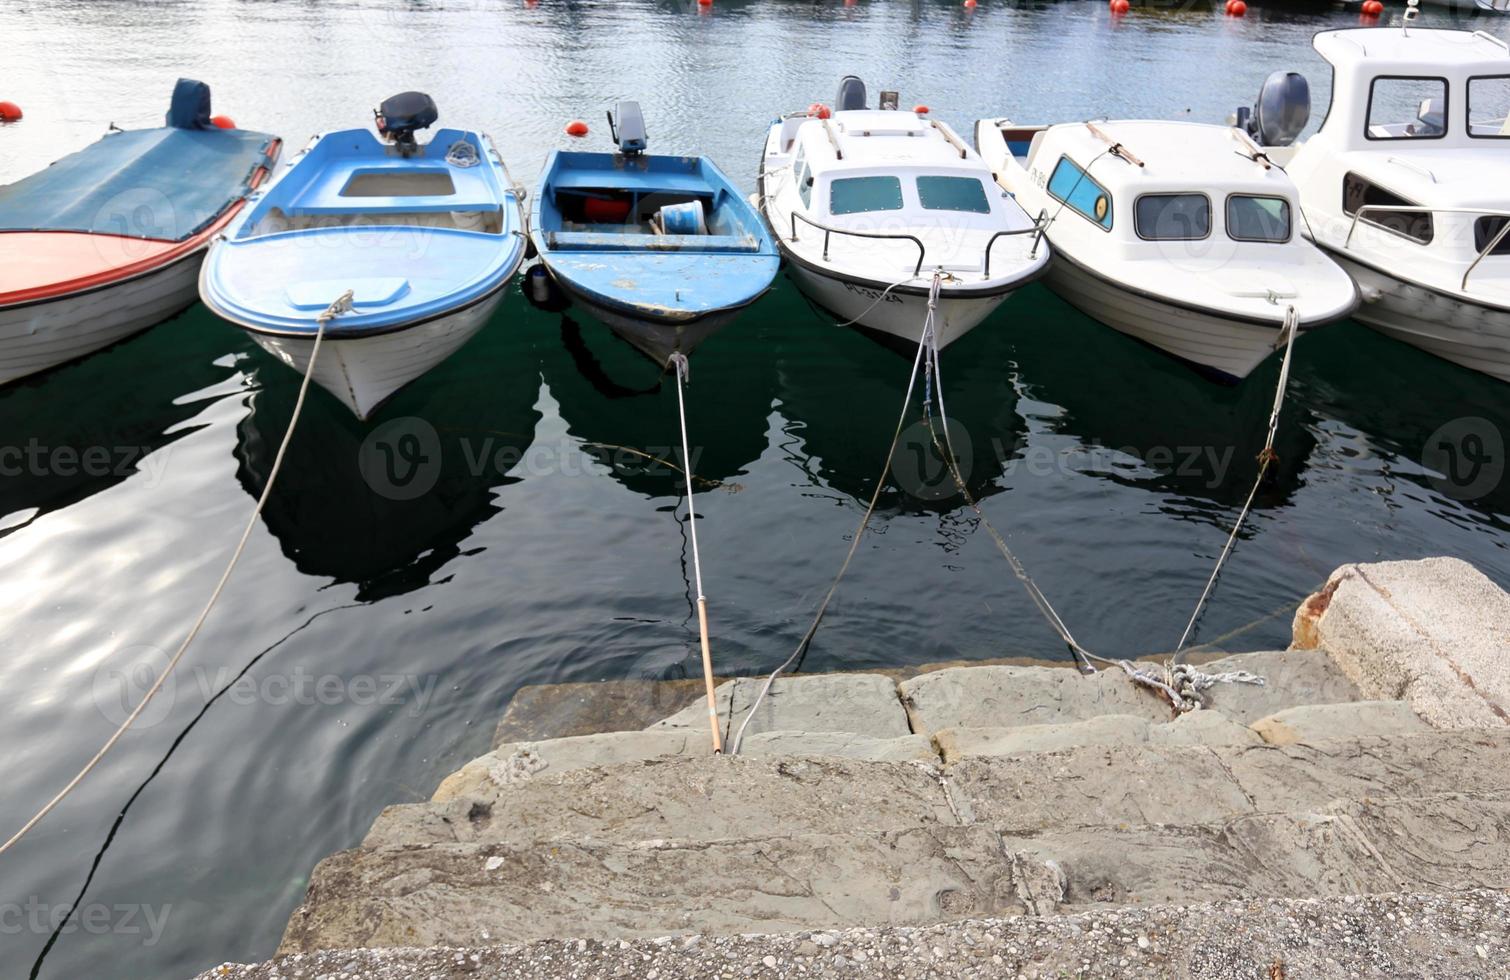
1172, 432
624, 409
386, 506
77, 430
840, 394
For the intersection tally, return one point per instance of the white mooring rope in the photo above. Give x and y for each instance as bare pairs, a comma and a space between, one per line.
341, 305
678, 361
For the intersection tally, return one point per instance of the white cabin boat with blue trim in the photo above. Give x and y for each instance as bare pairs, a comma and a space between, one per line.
425, 236
868, 205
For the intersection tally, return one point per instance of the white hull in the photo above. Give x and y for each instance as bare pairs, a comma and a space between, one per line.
1232, 347
363, 372
43, 335
658, 341
899, 314
1464, 333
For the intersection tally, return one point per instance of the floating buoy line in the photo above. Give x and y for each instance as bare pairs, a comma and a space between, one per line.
343, 304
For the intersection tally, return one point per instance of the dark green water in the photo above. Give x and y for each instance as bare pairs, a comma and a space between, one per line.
367, 644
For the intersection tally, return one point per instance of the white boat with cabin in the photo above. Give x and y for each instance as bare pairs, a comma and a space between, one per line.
1179, 234
867, 205
1407, 184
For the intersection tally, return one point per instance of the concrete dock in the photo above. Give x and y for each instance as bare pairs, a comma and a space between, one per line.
1348, 817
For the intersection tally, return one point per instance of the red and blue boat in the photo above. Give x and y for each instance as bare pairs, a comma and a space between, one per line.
108, 241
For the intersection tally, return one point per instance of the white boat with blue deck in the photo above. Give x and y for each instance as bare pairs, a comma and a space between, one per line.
424, 236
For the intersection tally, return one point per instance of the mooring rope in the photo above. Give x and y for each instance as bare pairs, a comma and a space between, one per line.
678, 361
854, 545
341, 305
1266, 458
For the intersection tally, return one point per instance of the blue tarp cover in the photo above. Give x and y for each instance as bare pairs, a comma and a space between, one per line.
165, 184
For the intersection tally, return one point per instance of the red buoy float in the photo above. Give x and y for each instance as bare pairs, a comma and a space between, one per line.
1121, 6
1373, 8
576, 128
969, 4
223, 122
1236, 8
9, 112
818, 110
705, 3
920, 109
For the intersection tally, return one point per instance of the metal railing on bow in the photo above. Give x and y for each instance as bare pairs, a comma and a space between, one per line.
1485, 252
828, 232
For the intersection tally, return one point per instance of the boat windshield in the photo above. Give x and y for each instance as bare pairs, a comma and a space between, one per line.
940, 193
1258, 219
1489, 107
1407, 109
858, 195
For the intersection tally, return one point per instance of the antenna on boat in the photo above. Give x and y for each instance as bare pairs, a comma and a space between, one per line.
1412, 11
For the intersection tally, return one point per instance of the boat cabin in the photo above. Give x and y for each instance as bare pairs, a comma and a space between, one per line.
1413, 148
1153, 190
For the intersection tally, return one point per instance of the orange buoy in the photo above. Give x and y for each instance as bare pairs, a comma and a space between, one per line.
1373, 7
920, 109
705, 3
1121, 6
223, 122
576, 128
9, 112
1237, 8
819, 110
969, 4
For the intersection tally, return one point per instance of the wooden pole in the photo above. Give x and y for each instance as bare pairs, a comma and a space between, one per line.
702, 625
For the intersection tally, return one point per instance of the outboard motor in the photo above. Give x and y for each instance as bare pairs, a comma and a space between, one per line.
627, 126
851, 94
400, 116
190, 108
1282, 111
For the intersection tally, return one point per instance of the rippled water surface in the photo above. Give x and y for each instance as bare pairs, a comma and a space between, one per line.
367, 645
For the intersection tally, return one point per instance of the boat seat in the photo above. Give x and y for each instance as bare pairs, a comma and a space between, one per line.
648, 183
469, 191
586, 241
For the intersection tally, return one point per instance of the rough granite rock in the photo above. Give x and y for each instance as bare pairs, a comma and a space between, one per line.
1312, 722
860, 704
1434, 632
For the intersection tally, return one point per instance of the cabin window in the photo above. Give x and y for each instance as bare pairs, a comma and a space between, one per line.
1071, 185
1173, 217
858, 195
1484, 231
1360, 192
953, 194
1489, 107
1407, 109
1258, 219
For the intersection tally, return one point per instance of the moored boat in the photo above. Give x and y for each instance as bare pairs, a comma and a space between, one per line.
424, 236
663, 249
108, 241
868, 205
1407, 185
1181, 235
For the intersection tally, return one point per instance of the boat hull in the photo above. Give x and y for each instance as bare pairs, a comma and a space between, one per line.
1231, 348
1469, 334
656, 339
44, 334
900, 314
363, 372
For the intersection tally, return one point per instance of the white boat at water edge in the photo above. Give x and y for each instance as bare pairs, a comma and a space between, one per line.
869, 204
1178, 234
1407, 185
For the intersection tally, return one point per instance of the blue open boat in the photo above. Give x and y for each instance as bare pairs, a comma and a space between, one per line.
424, 236
663, 249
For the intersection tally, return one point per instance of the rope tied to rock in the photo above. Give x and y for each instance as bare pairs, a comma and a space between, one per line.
342, 304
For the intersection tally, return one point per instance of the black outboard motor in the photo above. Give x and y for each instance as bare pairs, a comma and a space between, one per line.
1282, 111
400, 116
851, 94
190, 108
627, 126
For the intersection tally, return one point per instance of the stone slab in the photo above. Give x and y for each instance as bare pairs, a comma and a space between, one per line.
868, 748
860, 704
682, 799
543, 711
1205, 727
1291, 678
1208, 726
1009, 697
1434, 632
515, 760
1312, 722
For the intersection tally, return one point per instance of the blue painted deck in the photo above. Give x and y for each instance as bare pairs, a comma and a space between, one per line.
625, 266
270, 276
